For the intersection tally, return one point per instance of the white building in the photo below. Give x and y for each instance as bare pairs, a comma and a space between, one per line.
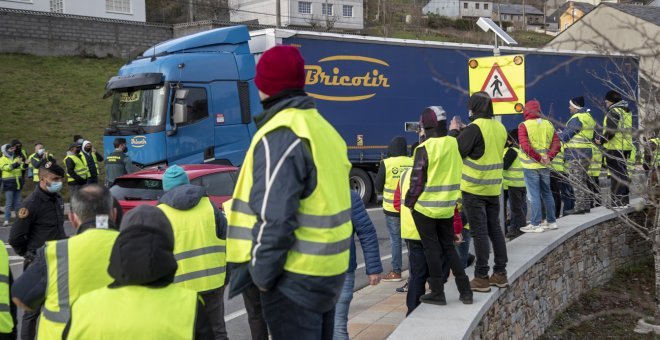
133, 10
476, 9
341, 14
445, 8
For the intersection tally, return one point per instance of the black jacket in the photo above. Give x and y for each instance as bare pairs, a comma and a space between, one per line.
295, 180
40, 219
471, 142
398, 147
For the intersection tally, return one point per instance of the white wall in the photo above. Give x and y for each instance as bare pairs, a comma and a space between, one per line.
30, 5
96, 8
447, 8
472, 12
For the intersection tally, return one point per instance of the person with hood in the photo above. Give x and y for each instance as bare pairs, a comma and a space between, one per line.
389, 171
118, 162
578, 136
40, 157
432, 197
78, 263
514, 185
618, 145
76, 169
141, 302
199, 248
12, 164
91, 159
540, 144
290, 220
481, 145
366, 232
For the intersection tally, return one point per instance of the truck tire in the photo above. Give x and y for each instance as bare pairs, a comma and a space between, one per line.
361, 183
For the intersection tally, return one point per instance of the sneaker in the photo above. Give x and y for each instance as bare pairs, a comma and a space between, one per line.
6, 224
480, 284
392, 277
532, 229
551, 226
544, 223
499, 280
402, 289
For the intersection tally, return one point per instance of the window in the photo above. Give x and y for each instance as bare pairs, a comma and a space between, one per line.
347, 11
217, 184
329, 10
476, 6
485, 6
119, 6
304, 7
465, 5
137, 189
57, 6
196, 103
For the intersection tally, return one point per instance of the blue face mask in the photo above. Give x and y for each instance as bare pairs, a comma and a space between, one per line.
54, 187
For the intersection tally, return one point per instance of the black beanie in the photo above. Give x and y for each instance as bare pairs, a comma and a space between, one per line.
577, 102
613, 96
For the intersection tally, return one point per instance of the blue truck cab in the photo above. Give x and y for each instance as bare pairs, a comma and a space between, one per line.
186, 101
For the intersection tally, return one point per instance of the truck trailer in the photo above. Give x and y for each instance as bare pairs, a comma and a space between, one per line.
192, 99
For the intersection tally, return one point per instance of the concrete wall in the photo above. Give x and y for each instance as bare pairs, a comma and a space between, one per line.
446, 8
53, 34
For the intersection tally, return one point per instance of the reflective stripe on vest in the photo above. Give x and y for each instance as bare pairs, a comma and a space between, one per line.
443, 178
9, 174
622, 139
199, 253
408, 228
513, 176
6, 320
557, 163
80, 167
135, 312
582, 139
394, 166
540, 133
323, 237
483, 176
75, 266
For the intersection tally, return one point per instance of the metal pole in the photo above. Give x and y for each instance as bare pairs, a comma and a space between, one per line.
191, 15
278, 14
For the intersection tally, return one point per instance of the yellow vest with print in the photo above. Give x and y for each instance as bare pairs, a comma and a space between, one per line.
582, 139
513, 176
483, 176
80, 168
325, 231
75, 266
199, 253
394, 166
622, 139
135, 313
443, 178
540, 132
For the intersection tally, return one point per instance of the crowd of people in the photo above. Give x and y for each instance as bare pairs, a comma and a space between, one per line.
285, 241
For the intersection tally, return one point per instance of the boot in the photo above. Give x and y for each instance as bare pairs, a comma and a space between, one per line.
437, 294
463, 285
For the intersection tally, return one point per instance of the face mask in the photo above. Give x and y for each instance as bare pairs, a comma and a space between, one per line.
470, 115
88, 150
54, 187
41, 152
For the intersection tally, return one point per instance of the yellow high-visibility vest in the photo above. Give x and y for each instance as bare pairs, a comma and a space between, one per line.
622, 139
324, 235
6, 320
513, 176
582, 139
483, 176
408, 228
540, 132
394, 166
80, 168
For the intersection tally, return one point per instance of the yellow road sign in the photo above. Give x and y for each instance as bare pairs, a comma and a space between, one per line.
503, 78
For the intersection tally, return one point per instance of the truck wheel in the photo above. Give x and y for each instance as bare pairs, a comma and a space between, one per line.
361, 183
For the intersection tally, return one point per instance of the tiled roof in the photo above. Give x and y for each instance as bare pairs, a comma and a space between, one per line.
648, 13
517, 9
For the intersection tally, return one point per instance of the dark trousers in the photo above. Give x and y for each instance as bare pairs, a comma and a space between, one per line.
517, 200
555, 187
214, 306
252, 302
483, 214
29, 320
437, 236
594, 187
287, 320
419, 273
617, 165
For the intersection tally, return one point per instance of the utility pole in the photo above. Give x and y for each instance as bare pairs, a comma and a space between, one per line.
191, 14
524, 17
278, 14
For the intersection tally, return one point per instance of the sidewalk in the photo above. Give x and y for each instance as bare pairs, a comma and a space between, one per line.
377, 310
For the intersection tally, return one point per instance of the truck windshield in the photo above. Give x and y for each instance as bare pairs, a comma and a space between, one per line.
139, 108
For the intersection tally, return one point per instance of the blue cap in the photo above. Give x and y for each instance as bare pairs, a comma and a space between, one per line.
174, 176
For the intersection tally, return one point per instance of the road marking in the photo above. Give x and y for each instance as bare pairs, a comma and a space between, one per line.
375, 209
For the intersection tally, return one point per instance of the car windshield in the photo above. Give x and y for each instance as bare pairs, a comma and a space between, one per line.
137, 189
139, 108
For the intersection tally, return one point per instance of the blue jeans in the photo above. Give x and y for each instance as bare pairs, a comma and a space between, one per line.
12, 202
537, 182
341, 308
463, 249
394, 227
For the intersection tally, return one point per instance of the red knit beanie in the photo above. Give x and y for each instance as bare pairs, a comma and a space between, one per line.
280, 68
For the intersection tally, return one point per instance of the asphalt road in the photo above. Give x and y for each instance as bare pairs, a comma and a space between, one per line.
235, 315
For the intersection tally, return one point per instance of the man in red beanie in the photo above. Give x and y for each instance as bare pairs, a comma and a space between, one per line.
290, 217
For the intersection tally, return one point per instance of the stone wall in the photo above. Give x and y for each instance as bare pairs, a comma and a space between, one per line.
55, 34
584, 261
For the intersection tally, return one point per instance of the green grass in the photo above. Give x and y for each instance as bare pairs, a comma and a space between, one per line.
49, 99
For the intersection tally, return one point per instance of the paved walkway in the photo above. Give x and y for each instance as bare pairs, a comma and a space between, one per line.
376, 311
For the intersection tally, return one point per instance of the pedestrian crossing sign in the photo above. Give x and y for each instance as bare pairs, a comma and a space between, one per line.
503, 78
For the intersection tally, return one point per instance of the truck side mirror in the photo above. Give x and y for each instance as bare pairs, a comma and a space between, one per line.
180, 115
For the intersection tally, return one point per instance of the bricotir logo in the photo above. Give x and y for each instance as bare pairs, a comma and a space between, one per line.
138, 141
370, 79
